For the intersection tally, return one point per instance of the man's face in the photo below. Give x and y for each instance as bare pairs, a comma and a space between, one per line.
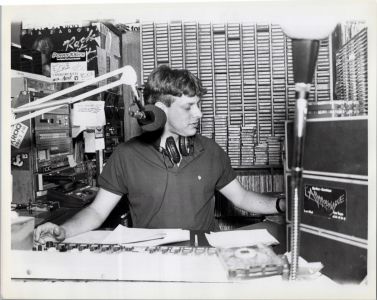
183, 116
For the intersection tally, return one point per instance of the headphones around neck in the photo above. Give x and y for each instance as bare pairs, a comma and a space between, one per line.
185, 147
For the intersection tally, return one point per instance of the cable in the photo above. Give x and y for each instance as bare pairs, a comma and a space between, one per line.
166, 186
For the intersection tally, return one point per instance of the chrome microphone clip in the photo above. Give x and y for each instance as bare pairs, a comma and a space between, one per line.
149, 117
136, 100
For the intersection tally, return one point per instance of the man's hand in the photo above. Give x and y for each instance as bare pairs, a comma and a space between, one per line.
49, 232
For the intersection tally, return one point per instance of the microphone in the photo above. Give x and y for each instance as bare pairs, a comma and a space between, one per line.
150, 118
306, 35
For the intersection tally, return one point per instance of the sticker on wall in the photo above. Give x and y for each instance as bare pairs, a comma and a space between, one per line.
17, 161
325, 202
17, 135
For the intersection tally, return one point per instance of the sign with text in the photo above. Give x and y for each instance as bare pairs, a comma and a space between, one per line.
70, 66
74, 76
325, 202
64, 39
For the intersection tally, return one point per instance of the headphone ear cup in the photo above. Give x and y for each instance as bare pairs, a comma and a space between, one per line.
172, 150
186, 145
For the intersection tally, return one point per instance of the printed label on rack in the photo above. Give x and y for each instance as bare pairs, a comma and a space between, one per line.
74, 76
325, 202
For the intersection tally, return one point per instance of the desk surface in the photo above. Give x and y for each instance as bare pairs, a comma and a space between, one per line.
178, 262
209, 280
278, 231
268, 287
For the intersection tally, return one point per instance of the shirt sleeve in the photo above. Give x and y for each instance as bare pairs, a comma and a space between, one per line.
114, 177
228, 174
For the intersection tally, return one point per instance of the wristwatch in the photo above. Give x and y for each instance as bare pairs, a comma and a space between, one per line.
278, 204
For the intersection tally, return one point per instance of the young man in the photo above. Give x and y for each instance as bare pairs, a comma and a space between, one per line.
169, 176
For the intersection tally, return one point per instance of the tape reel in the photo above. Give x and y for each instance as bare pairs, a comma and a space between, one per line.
245, 253
251, 261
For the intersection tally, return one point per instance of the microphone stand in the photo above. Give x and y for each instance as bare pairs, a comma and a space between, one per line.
304, 53
302, 90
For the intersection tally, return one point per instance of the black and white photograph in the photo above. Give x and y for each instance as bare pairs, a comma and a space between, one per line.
188, 150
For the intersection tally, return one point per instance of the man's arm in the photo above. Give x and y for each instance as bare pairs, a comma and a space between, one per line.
92, 216
251, 201
89, 218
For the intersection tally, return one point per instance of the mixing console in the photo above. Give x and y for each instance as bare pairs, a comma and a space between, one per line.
118, 262
117, 248
84, 261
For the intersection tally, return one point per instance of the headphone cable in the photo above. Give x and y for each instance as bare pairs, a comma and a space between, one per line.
166, 187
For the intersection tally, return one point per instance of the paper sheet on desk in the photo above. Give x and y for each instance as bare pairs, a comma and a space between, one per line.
132, 236
240, 238
146, 237
90, 237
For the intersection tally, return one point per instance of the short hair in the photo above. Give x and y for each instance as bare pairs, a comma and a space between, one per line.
165, 82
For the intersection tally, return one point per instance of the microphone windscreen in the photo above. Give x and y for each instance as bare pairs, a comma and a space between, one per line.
304, 58
155, 118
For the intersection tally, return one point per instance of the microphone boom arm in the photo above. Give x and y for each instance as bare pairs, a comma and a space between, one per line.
44, 105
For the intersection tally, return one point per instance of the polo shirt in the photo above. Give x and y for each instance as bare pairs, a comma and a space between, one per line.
163, 195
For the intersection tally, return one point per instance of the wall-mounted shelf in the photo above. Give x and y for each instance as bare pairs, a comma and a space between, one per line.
258, 167
21, 74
